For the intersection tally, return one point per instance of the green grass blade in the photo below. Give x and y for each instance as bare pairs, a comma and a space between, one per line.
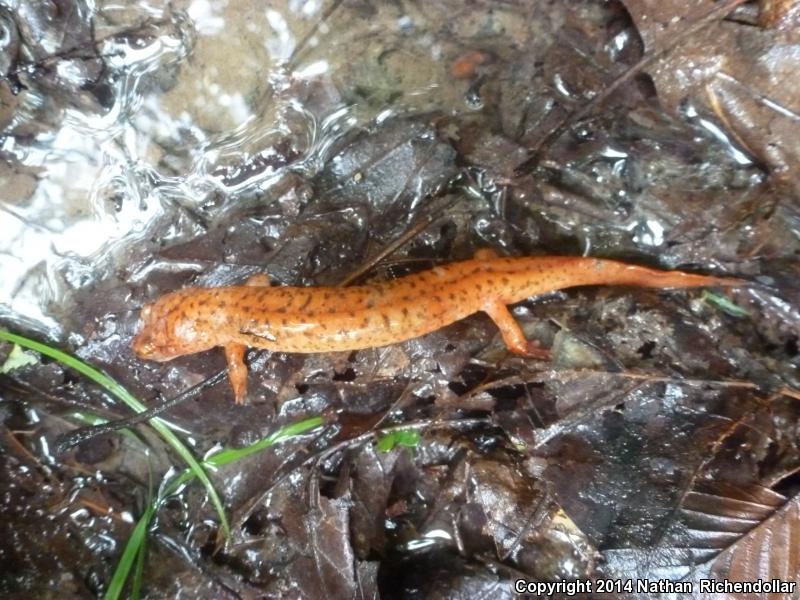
115, 389
403, 437
138, 573
223, 457
134, 553
724, 304
227, 456
129, 555
135, 548
196, 469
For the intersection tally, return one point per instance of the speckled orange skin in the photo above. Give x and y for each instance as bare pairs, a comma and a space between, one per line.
325, 319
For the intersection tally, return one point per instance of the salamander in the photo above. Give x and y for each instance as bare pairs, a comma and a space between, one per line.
325, 319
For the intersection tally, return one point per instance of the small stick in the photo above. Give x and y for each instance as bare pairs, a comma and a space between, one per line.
416, 228
68, 440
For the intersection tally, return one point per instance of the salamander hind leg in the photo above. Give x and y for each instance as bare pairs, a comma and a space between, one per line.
486, 254
260, 280
512, 334
237, 370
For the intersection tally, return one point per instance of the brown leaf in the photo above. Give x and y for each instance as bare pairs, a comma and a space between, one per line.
740, 74
329, 534
757, 530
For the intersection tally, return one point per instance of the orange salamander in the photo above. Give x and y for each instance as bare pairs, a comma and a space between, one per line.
326, 319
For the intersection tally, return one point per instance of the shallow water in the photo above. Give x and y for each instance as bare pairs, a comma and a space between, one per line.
195, 107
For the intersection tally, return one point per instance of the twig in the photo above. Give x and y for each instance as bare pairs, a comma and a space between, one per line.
789, 392
415, 229
313, 31
66, 441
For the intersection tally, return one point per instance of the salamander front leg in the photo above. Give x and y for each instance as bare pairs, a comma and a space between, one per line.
512, 334
237, 370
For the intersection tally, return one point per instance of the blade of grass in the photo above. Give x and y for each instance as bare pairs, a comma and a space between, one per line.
115, 389
132, 548
403, 437
138, 573
136, 543
724, 304
223, 457
227, 456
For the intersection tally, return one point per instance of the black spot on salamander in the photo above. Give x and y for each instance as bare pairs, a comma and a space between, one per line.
386, 321
222, 304
406, 298
405, 311
452, 295
332, 310
479, 287
351, 314
280, 310
505, 280
306, 303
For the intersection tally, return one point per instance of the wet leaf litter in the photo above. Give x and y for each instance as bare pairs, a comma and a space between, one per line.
151, 151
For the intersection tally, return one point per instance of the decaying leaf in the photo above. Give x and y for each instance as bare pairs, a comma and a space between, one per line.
732, 79
17, 359
744, 532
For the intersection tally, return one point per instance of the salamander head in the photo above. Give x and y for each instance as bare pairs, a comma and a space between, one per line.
168, 331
